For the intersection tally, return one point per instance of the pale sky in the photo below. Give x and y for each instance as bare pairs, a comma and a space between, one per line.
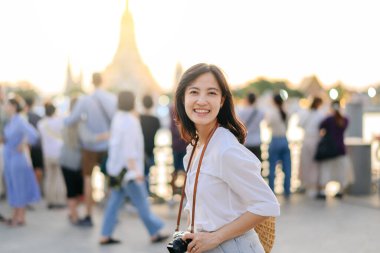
289, 39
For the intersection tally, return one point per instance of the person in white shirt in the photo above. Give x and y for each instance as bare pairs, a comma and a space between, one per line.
232, 197
126, 151
50, 129
309, 168
277, 120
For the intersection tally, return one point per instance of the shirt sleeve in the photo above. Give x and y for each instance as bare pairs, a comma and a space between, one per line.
241, 171
30, 132
76, 113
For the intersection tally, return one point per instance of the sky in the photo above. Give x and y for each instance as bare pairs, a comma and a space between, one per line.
289, 39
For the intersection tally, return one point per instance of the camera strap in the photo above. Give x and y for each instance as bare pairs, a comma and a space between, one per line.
196, 180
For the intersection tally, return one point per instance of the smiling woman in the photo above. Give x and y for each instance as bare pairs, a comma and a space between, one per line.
41, 35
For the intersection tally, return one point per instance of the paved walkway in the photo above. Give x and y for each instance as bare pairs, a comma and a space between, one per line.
306, 225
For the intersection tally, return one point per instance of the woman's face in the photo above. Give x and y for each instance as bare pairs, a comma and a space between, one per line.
203, 100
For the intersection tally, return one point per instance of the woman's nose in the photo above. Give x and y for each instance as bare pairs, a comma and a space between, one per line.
201, 100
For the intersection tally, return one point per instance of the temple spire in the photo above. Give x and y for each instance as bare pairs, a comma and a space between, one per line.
127, 69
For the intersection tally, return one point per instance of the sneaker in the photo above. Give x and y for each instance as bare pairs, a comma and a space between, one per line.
85, 222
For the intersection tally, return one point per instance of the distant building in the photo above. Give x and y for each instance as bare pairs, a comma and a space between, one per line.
311, 86
127, 70
72, 85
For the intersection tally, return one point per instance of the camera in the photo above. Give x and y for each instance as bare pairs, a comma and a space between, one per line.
116, 182
177, 245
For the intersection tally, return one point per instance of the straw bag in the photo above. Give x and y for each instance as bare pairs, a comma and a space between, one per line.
266, 231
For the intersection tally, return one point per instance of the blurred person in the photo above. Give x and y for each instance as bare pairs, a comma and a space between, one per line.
96, 110
252, 116
50, 128
232, 197
338, 168
126, 153
309, 168
21, 183
179, 152
70, 162
3, 118
150, 125
35, 150
277, 121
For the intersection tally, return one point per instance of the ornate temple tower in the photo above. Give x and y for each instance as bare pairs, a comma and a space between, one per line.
72, 85
127, 70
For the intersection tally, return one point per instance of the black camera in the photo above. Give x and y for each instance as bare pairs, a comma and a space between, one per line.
177, 245
116, 182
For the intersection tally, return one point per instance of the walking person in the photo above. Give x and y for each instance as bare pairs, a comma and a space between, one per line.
21, 183
231, 195
252, 117
338, 168
277, 120
150, 124
50, 128
96, 111
309, 168
126, 155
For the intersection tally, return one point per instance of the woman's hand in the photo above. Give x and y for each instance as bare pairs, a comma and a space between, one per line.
201, 242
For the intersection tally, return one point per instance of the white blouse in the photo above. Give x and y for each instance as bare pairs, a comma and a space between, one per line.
126, 142
229, 184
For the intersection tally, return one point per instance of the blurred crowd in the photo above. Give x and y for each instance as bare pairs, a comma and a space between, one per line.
52, 157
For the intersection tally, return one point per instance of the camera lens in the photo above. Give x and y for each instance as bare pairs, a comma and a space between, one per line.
177, 246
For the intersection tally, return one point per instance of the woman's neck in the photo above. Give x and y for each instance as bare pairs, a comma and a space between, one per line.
204, 132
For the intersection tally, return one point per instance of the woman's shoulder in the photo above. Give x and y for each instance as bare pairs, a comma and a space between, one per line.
225, 140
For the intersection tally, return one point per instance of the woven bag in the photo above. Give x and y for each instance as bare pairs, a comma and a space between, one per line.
266, 231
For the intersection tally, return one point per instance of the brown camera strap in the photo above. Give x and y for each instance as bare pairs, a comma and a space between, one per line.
196, 181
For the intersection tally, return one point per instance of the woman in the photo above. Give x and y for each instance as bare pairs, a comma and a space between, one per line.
232, 197
21, 183
50, 128
339, 168
126, 151
279, 147
309, 168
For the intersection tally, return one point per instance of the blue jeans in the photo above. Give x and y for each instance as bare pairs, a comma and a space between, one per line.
148, 163
138, 195
246, 243
279, 151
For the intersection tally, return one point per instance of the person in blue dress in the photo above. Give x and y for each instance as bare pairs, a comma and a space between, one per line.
21, 183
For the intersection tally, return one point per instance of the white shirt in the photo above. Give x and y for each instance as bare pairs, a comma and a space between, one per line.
275, 123
229, 184
126, 143
50, 129
310, 121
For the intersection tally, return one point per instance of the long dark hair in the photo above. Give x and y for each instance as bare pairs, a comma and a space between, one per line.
317, 101
226, 116
339, 119
279, 102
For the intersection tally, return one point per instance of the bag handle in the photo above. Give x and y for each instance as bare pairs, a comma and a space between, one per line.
196, 181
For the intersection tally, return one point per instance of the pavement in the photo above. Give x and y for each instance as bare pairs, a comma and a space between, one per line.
351, 225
